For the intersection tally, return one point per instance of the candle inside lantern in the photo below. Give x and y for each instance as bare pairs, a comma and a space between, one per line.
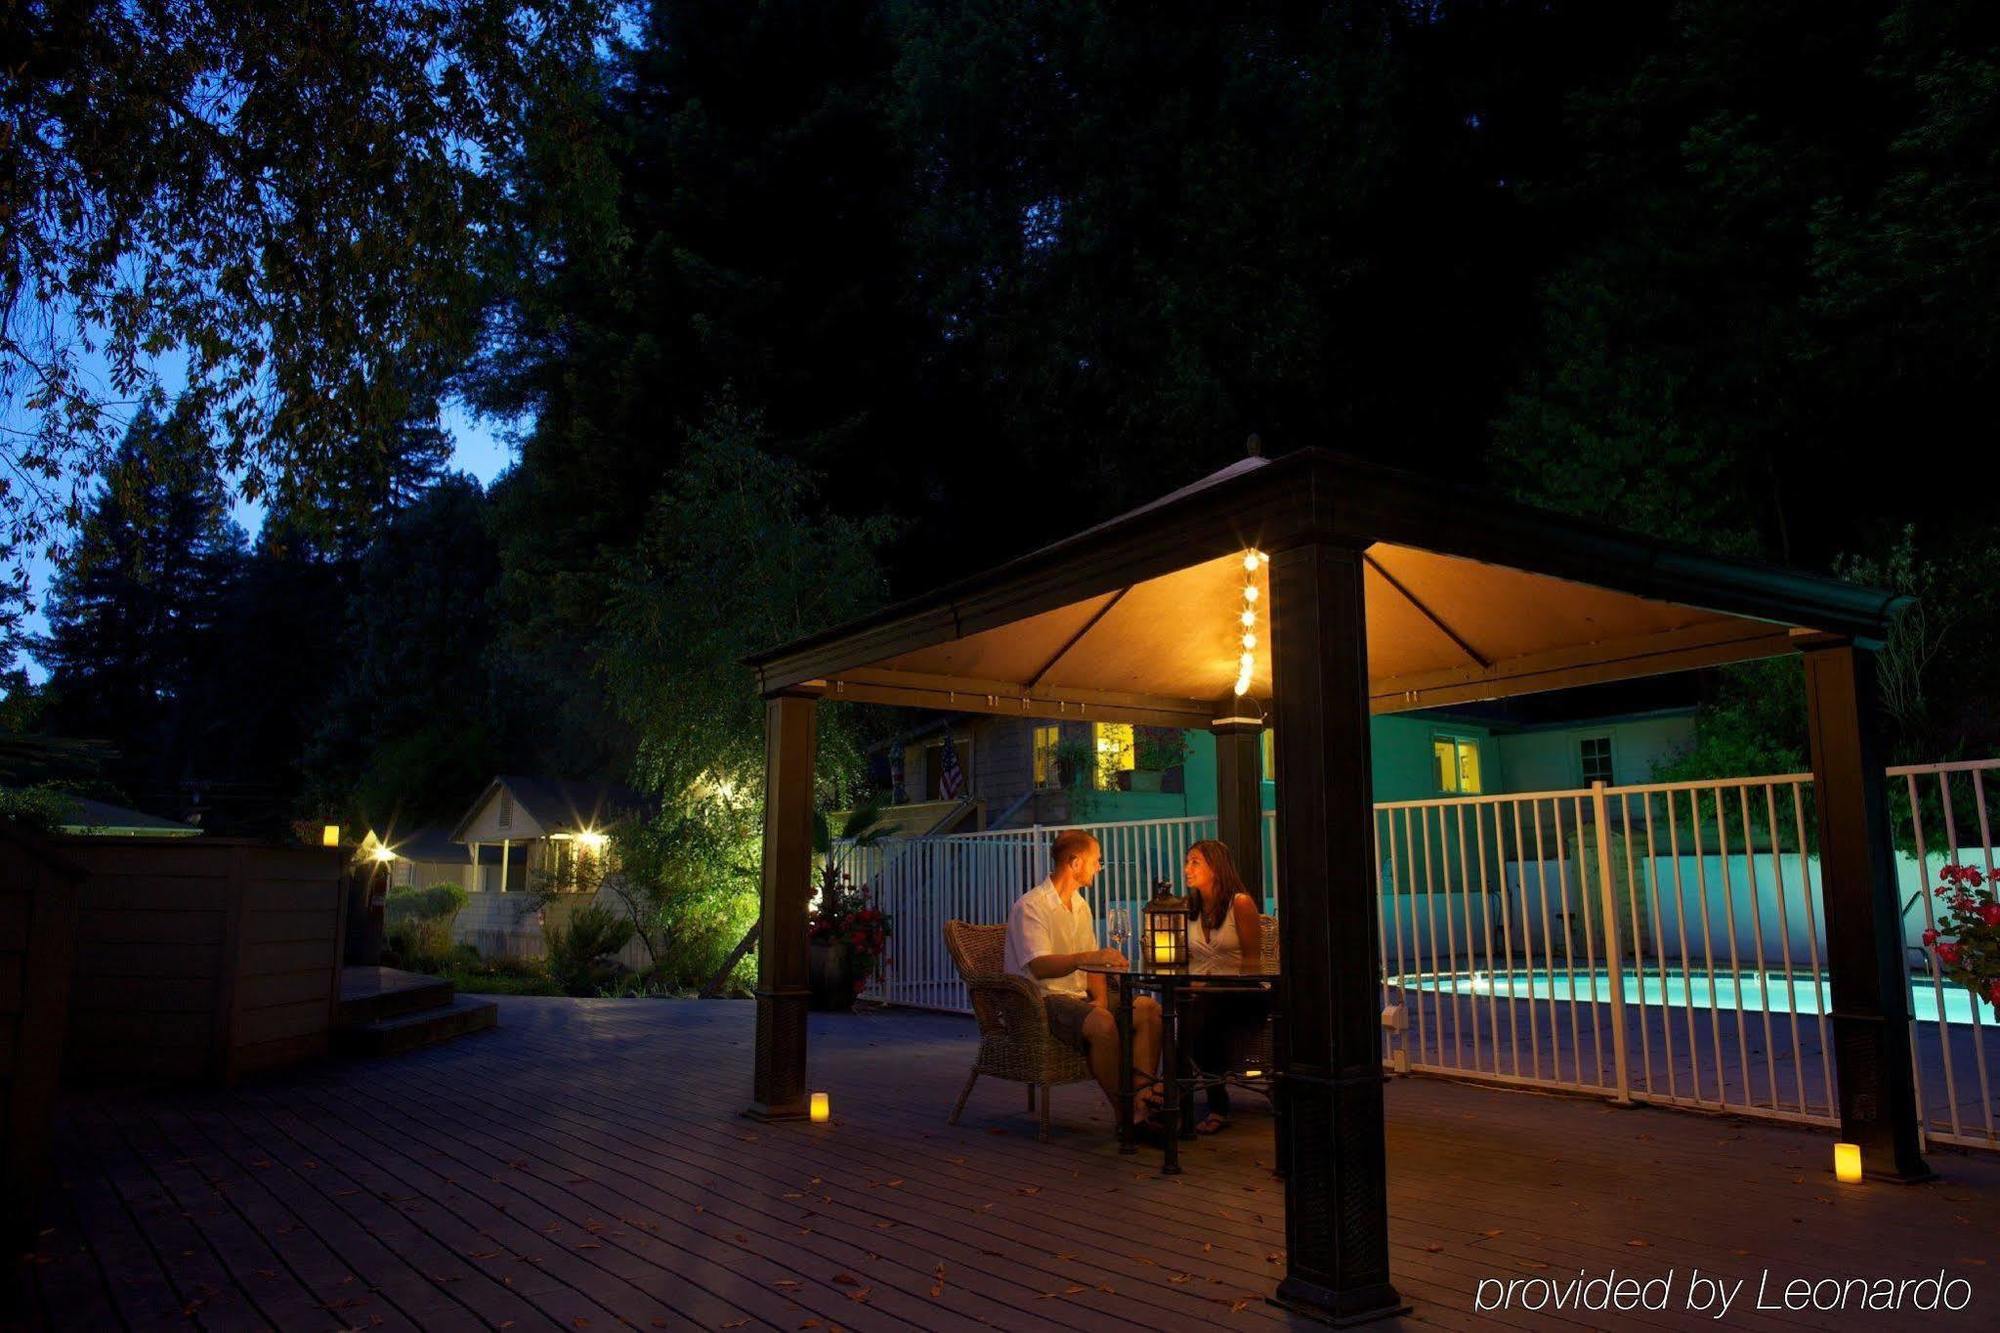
1847, 1163
1163, 946
822, 1108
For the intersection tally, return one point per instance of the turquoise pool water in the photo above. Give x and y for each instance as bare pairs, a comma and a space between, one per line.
1803, 994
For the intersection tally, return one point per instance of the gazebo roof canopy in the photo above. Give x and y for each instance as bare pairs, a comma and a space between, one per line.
1468, 597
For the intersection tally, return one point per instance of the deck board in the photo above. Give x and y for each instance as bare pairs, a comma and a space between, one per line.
586, 1166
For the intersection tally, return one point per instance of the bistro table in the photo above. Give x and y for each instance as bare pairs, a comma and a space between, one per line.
1171, 984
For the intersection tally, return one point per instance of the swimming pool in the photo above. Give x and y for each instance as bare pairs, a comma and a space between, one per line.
1755, 991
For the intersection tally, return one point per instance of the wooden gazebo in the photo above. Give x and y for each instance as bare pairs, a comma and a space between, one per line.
1386, 591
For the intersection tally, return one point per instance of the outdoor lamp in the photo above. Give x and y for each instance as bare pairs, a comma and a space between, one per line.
383, 854
1847, 1163
822, 1108
1166, 928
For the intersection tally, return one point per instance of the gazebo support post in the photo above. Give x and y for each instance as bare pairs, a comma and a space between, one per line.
1336, 1189
1864, 925
1239, 801
790, 736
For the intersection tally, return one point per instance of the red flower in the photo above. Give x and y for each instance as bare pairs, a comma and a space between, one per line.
1947, 954
1990, 914
1930, 937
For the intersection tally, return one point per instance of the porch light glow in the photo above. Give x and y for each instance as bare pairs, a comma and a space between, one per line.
822, 1108
592, 840
383, 853
1847, 1163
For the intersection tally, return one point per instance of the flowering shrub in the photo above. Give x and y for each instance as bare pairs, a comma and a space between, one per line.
844, 914
1967, 938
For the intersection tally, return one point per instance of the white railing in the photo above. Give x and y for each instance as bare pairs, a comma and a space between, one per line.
1663, 942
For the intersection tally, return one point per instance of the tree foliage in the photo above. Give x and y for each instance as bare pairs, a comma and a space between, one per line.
276, 206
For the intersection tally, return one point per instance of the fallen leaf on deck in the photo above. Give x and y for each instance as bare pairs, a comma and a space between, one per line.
1433, 1247
1028, 1189
1639, 1244
1177, 1278
1072, 1290
784, 1282
846, 1280
1490, 1234
734, 1323
860, 1295
1206, 1246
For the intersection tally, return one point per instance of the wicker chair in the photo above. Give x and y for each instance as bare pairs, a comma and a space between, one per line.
1014, 1040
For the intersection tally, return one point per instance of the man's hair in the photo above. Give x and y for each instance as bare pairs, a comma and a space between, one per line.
1069, 843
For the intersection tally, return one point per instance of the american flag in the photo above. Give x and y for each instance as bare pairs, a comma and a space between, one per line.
951, 778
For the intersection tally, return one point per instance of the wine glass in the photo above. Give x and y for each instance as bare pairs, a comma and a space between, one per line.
1120, 926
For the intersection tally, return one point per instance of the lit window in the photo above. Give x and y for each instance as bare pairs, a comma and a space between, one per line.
1115, 752
1457, 764
1270, 753
1596, 759
1048, 773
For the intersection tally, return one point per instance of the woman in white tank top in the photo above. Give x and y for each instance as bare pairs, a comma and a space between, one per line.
1224, 929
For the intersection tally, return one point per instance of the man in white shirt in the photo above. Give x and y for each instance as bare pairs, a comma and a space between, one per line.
1051, 933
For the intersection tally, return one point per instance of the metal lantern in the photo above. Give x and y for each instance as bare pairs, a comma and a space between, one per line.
1166, 928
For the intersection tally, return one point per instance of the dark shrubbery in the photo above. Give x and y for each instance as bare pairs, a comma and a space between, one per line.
583, 955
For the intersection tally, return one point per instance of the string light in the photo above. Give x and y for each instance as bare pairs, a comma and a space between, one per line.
1247, 663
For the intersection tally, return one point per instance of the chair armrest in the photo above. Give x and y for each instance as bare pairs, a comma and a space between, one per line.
1010, 1010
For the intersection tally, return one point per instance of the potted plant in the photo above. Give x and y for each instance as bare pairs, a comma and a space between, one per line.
1154, 751
1966, 939
849, 941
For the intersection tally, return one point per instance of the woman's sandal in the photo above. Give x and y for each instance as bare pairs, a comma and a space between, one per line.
1212, 1124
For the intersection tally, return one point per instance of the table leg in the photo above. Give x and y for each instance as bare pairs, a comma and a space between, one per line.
1170, 1071
1122, 1013
1280, 1096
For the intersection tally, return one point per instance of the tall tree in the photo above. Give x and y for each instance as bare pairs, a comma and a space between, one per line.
156, 561
720, 223
414, 726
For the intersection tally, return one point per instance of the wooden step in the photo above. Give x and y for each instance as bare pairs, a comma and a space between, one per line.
424, 1027
371, 994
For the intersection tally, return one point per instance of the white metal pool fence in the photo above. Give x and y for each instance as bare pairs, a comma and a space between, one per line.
1661, 942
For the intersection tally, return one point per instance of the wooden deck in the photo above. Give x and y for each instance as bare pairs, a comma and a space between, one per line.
584, 1166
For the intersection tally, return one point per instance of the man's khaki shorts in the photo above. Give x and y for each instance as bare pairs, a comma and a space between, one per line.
1066, 1015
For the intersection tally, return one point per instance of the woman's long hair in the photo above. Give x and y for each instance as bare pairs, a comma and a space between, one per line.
1227, 884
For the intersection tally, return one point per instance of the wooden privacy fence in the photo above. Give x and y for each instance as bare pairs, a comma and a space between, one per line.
206, 958
37, 936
